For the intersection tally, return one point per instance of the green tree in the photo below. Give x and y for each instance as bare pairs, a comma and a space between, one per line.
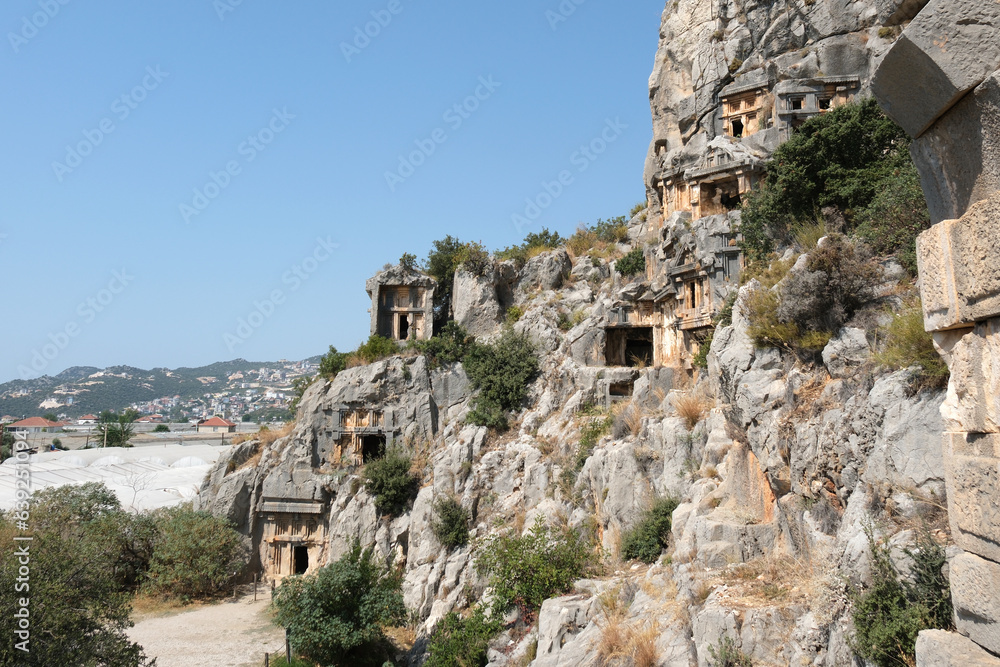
337, 616
408, 261
501, 371
332, 363
448, 346
6, 445
388, 478
377, 348
462, 641
647, 540
890, 612
196, 554
634, 262
451, 522
844, 158
77, 587
116, 430
441, 263
50, 416
525, 570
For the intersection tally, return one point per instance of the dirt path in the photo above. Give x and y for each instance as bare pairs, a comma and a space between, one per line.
228, 634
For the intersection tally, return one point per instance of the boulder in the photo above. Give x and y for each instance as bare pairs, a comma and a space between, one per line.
973, 474
937, 648
946, 51
546, 271
975, 592
845, 352
958, 156
960, 277
475, 303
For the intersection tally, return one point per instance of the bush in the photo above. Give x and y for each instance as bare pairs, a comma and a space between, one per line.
389, 480
765, 329
839, 278
811, 303
632, 263
441, 263
897, 214
451, 525
647, 540
332, 363
638, 208
844, 159
408, 261
524, 571
725, 654
462, 641
890, 613
337, 615
474, 258
196, 555
534, 243
590, 434
161, 428
700, 360
79, 600
601, 236
447, 347
907, 344
501, 372
514, 313
376, 348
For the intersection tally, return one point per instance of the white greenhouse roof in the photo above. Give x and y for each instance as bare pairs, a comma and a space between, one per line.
142, 477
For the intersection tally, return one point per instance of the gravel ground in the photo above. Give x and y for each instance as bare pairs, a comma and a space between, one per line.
229, 634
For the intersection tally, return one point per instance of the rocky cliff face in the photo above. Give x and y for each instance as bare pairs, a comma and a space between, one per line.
778, 463
709, 48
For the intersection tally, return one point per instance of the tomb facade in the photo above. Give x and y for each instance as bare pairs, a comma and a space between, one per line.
402, 304
293, 538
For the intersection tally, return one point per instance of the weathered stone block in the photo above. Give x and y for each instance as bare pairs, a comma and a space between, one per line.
960, 276
959, 156
973, 356
972, 471
937, 648
947, 50
975, 592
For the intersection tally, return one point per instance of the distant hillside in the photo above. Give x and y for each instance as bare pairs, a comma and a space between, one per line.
84, 389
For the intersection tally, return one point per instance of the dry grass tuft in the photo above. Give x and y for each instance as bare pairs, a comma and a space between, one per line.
627, 419
267, 436
692, 407
254, 460
775, 581
621, 642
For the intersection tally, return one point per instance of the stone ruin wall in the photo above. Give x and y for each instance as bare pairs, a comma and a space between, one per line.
941, 83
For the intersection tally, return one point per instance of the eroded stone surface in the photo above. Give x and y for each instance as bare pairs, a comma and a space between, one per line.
960, 274
937, 648
959, 156
973, 478
973, 356
975, 592
947, 50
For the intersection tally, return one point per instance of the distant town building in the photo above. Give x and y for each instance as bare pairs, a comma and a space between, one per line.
87, 419
35, 425
216, 425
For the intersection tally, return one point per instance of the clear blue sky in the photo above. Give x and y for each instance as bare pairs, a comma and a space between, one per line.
183, 91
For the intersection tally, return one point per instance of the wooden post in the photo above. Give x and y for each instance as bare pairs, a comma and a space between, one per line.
255, 587
267, 660
288, 647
